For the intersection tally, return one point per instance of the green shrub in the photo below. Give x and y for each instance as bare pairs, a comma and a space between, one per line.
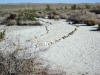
74, 7
87, 6
48, 7
30, 16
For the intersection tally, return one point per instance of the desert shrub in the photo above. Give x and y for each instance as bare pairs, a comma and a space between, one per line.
2, 35
11, 17
11, 22
56, 17
79, 8
87, 6
74, 7
30, 16
61, 8
27, 19
10, 65
80, 16
48, 7
65, 7
90, 22
20, 15
75, 19
19, 61
57, 8
53, 15
97, 11
63, 16
19, 18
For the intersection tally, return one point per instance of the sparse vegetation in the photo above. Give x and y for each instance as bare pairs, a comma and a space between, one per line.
87, 6
2, 34
48, 7
10, 64
80, 16
90, 22
21, 60
96, 9
30, 16
54, 15
74, 7
22, 17
79, 8
65, 7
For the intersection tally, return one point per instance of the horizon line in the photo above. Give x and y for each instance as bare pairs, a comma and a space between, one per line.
52, 3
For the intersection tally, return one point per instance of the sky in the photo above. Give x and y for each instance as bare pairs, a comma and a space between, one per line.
48, 1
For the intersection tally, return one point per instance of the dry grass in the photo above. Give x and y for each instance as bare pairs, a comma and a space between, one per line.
10, 64
90, 22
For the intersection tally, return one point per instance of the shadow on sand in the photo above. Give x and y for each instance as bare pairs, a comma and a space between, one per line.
82, 25
95, 30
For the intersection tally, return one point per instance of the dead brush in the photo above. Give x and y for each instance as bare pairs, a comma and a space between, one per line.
13, 64
90, 22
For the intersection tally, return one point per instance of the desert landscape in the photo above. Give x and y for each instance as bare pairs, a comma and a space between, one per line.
50, 39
